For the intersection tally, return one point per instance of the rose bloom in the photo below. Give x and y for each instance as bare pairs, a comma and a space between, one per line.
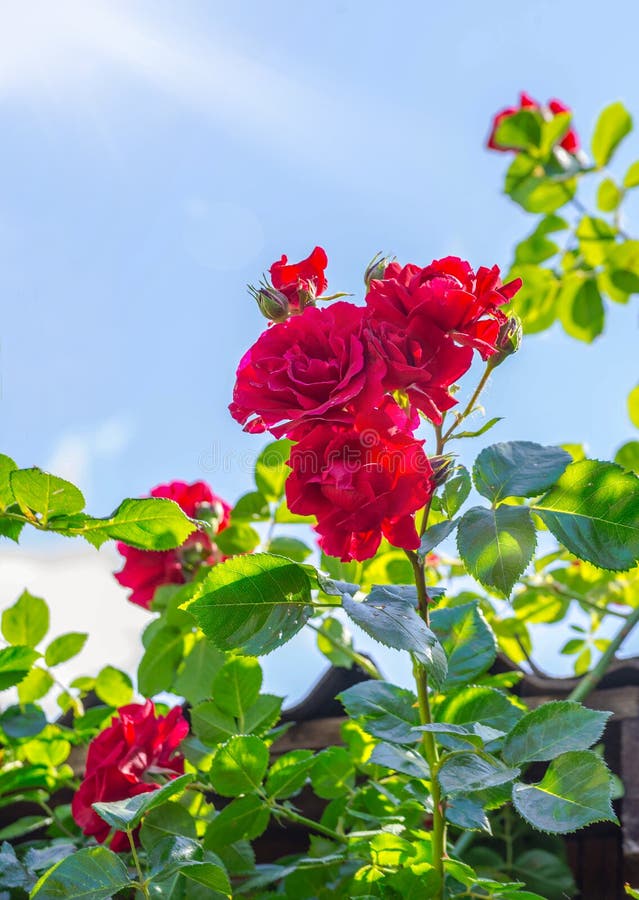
570, 141
361, 483
300, 282
124, 760
146, 570
427, 322
312, 368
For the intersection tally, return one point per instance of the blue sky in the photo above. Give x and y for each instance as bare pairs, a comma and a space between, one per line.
156, 156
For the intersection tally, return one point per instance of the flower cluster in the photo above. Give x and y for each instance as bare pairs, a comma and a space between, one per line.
146, 570
348, 383
569, 142
124, 760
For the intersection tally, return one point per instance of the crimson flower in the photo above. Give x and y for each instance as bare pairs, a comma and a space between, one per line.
300, 282
146, 570
311, 368
124, 760
361, 483
570, 141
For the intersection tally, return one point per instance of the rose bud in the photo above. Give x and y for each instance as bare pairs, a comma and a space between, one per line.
376, 268
508, 341
273, 304
442, 467
211, 513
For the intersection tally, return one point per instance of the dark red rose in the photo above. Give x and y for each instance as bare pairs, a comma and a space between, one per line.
361, 484
570, 141
313, 367
125, 760
427, 321
300, 282
146, 570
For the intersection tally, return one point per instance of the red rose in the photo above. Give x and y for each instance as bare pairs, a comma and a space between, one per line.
146, 570
300, 282
427, 321
122, 761
570, 141
361, 484
313, 367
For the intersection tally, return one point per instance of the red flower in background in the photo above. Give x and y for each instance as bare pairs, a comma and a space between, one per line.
124, 760
146, 570
570, 141
303, 281
311, 368
361, 484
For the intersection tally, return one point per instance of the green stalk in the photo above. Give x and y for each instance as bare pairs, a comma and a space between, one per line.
590, 681
357, 658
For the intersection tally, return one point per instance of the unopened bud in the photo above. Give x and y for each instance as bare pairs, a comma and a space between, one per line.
508, 341
211, 513
376, 268
442, 467
273, 304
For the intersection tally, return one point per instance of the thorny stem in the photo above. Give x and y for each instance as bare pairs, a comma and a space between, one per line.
468, 408
590, 681
138, 868
428, 740
357, 658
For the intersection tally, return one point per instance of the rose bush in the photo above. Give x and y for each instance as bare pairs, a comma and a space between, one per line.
430, 792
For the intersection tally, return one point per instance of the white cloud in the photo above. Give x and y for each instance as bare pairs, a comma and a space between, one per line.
76, 451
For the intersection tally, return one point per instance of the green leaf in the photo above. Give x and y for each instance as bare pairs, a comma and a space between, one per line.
239, 766
581, 308
290, 547
15, 663
574, 792
94, 872
253, 603
210, 875
333, 773
478, 431
27, 621
609, 195
623, 267
332, 636
633, 406
23, 721
271, 470
393, 621
518, 469
160, 662
45, 494
237, 538
596, 238
631, 178
627, 456
400, 759
553, 729
243, 819
496, 545
195, 680
521, 131
537, 192
467, 814
263, 714
64, 647
434, 535
7, 466
468, 642
170, 853
127, 814
614, 123
485, 705
168, 820
631, 891
251, 507
150, 524
463, 772
389, 712
114, 687
210, 724
594, 511
456, 491
536, 301
289, 773
237, 685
